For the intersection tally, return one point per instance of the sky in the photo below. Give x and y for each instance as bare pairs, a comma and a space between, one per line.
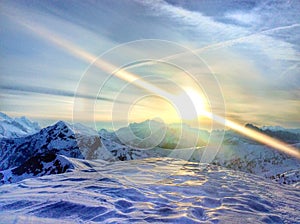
58, 60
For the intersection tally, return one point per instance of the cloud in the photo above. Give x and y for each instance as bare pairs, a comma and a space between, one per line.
243, 18
249, 46
54, 92
195, 22
264, 41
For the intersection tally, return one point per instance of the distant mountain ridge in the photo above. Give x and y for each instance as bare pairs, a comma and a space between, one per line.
44, 152
16, 127
169, 136
277, 132
279, 128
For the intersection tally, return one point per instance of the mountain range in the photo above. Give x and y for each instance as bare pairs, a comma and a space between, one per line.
16, 127
35, 152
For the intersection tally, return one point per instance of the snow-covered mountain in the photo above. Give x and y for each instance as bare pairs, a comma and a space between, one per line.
58, 138
279, 128
72, 173
290, 136
16, 127
151, 133
73, 141
256, 159
36, 166
64, 139
78, 141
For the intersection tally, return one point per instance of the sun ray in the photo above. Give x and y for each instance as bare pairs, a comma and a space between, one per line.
255, 135
130, 77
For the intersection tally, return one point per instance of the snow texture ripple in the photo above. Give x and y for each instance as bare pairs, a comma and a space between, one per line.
149, 190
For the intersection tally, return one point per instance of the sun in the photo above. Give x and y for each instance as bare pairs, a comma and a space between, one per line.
190, 103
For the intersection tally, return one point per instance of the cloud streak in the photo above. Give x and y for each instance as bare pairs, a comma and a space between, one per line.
251, 53
53, 92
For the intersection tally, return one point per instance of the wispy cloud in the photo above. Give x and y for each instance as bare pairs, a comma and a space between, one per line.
203, 26
249, 54
53, 92
253, 49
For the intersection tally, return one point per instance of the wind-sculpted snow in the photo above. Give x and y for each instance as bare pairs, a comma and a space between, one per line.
149, 190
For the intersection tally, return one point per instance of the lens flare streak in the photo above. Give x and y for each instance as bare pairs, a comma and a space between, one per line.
92, 59
255, 135
136, 80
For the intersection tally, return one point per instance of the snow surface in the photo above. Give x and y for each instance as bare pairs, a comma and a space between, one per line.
150, 190
102, 179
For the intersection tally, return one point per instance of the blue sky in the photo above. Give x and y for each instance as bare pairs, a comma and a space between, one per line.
251, 47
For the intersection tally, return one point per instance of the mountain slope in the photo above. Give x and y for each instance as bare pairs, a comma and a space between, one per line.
63, 139
36, 166
58, 138
78, 141
16, 127
151, 133
255, 158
